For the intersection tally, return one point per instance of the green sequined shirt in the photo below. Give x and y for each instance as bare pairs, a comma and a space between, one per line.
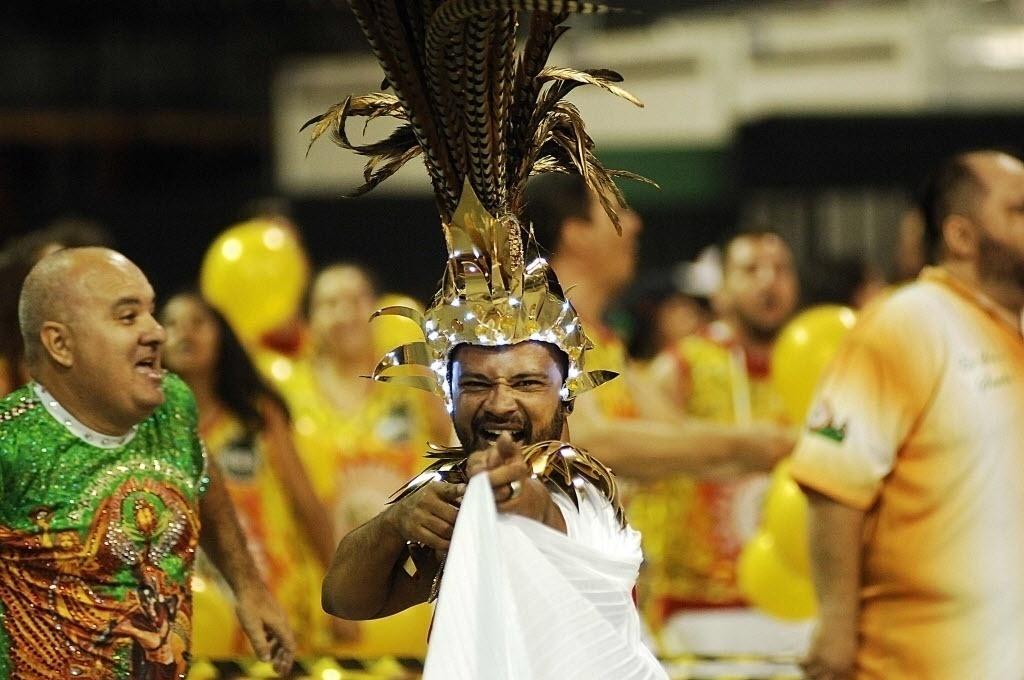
97, 540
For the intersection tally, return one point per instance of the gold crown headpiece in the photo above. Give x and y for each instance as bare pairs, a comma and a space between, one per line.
485, 116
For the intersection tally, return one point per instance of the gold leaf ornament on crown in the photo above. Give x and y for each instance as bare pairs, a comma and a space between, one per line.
490, 296
484, 116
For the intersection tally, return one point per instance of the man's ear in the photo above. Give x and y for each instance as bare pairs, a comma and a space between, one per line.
58, 343
960, 237
568, 406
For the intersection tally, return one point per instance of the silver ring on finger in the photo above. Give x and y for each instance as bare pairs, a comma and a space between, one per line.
516, 488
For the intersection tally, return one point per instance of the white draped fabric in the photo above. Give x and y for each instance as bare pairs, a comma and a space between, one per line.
520, 601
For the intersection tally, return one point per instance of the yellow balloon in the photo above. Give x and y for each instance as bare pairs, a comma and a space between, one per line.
255, 273
401, 634
390, 331
326, 668
387, 667
203, 670
213, 621
802, 352
772, 586
785, 518
258, 670
277, 368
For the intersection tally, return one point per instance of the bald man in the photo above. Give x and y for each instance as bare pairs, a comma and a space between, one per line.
104, 487
912, 456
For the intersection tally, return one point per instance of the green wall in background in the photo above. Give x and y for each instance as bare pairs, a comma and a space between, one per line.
689, 175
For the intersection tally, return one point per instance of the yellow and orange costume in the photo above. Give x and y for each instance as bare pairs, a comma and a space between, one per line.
272, 533
694, 531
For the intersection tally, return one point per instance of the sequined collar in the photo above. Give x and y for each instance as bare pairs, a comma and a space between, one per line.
76, 427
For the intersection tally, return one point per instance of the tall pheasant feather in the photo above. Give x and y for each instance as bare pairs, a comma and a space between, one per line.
477, 107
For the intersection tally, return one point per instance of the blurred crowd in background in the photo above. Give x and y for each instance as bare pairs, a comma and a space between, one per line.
787, 143
277, 355
651, 309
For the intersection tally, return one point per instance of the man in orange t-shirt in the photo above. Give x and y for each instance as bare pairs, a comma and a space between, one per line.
912, 458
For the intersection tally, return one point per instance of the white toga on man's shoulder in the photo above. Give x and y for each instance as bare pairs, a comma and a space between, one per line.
521, 601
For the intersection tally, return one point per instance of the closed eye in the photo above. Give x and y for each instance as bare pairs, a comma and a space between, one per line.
474, 385
529, 384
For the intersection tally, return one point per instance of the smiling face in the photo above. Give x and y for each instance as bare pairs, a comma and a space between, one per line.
113, 341
512, 388
193, 337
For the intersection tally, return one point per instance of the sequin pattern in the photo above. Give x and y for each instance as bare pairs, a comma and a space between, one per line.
97, 543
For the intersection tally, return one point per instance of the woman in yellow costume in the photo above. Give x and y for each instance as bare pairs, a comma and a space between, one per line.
246, 427
360, 440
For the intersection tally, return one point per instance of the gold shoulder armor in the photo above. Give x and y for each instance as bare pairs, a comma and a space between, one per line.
556, 463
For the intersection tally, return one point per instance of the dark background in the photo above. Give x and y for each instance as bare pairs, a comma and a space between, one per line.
153, 118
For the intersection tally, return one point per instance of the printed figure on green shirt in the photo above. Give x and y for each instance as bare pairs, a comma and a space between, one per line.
104, 484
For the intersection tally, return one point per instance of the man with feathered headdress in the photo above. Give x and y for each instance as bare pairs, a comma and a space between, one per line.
540, 569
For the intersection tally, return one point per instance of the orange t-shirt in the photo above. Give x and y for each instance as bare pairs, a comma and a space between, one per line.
920, 422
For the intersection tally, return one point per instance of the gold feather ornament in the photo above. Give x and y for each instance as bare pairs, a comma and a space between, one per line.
485, 114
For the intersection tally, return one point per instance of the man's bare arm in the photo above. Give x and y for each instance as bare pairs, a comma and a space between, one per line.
663, 441
221, 537
367, 577
835, 533
649, 450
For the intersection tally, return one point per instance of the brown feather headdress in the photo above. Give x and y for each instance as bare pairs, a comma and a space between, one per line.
485, 114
